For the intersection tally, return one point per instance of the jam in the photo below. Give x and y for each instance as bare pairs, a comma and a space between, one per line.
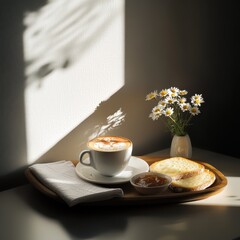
150, 181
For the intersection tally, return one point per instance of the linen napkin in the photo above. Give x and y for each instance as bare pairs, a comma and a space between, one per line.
61, 178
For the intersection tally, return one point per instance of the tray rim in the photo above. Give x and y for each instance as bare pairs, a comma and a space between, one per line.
138, 198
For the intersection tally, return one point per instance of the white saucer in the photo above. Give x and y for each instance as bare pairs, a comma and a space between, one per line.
135, 166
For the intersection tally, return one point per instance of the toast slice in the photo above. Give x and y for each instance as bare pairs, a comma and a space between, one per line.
177, 167
195, 183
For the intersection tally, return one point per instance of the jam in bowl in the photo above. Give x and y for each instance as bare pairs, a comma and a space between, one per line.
150, 182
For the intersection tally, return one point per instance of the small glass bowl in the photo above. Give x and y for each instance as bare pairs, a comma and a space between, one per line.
150, 182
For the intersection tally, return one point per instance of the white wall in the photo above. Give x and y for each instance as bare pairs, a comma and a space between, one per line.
166, 43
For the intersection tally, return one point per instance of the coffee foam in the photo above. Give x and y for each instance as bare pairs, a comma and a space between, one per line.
109, 144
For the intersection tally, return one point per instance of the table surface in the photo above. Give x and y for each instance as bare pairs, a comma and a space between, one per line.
27, 214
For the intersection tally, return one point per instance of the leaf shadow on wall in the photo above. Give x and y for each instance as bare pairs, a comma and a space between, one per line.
116, 116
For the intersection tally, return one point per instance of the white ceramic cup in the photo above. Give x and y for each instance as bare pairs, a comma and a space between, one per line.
109, 155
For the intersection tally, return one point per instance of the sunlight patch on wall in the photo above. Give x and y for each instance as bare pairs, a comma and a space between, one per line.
74, 54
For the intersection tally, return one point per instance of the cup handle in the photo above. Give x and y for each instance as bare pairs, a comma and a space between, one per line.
81, 157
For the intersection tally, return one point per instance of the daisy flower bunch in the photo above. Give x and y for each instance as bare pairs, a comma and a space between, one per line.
172, 104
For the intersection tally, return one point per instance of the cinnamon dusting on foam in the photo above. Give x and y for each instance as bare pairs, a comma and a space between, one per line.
109, 144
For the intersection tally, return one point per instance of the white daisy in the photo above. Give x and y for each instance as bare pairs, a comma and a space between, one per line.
156, 113
173, 94
183, 92
163, 93
194, 110
152, 95
185, 107
170, 100
174, 90
168, 112
197, 99
182, 100
162, 103
153, 116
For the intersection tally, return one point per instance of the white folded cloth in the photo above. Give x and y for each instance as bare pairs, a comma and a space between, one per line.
61, 178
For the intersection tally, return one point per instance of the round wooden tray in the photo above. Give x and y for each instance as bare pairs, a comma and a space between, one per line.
131, 197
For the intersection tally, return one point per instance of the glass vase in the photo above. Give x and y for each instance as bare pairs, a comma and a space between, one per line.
181, 146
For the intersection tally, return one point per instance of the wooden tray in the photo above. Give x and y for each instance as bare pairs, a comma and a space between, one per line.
131, 197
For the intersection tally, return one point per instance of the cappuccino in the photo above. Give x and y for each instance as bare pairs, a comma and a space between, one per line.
109, 144
109, 155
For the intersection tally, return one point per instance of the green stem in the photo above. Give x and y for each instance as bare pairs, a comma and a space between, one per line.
179, 128
190, 117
